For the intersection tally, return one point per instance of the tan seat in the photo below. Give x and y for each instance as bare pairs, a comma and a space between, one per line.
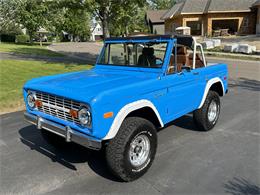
182, 58
198, 63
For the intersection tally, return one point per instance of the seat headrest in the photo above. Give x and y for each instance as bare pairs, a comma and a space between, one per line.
181, 50
149, 51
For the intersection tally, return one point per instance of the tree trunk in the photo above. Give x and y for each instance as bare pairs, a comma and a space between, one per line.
126, 30
105, 25
30, 37
40, 39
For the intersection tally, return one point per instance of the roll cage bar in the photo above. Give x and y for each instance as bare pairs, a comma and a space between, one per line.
191, 42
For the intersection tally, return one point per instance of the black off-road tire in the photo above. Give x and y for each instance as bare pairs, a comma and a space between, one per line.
117, 151
200, 116
53, 139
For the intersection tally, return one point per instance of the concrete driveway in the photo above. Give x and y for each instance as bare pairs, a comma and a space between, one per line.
225, 160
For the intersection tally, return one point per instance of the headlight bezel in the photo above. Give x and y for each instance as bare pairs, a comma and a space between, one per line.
85, 109
33, 96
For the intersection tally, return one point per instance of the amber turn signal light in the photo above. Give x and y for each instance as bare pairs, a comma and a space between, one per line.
73, 113
108, 115
38, 103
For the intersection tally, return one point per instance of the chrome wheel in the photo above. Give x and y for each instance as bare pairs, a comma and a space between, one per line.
212, 111
139, 150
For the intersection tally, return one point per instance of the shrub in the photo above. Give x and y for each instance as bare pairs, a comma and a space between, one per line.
7, 38
22, 38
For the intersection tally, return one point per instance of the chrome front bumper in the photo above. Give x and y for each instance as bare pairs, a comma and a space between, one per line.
63, 131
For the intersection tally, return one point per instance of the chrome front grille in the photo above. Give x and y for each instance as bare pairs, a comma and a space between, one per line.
58, 106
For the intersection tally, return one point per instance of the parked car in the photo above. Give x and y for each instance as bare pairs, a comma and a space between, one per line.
138, 85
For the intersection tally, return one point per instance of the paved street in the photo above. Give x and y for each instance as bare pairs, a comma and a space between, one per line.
225, 160
87, 51
63, 59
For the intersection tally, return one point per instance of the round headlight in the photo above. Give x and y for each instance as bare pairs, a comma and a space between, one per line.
84, 116
31, 100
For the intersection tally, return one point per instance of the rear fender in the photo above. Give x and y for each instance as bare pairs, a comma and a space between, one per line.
207, 88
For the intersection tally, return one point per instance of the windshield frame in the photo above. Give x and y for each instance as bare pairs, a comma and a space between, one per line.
169, 45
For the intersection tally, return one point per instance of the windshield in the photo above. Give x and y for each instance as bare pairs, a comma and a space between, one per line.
147, 55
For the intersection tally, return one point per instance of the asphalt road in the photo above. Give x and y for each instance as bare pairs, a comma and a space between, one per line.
225, 160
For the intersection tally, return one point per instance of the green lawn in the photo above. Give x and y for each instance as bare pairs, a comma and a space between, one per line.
28, 49
14, 73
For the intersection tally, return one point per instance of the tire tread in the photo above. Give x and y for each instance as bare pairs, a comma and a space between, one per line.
116, 147
200, 115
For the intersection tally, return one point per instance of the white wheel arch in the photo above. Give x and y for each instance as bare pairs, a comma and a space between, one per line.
208, 86
122, 114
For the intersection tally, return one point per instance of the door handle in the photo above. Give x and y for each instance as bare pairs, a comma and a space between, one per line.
196, 73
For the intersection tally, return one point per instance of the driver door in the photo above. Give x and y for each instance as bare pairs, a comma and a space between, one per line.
183, 87
182, 93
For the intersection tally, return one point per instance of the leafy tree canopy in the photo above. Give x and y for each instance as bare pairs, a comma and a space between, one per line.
117, 17
8, 15
71, 16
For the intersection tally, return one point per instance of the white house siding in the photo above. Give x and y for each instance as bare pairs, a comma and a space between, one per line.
96, 31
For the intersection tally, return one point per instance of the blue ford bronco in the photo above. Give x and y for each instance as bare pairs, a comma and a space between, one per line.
138, 85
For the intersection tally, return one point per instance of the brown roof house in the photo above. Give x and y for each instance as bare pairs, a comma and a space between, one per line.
205, 17
154, 21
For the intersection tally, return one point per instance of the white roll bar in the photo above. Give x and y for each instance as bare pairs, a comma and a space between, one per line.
195, 51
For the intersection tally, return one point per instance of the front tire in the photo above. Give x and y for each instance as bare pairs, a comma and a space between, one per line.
131, 153
207, 116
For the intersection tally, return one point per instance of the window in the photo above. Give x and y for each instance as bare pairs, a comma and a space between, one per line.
245, 22
150, 55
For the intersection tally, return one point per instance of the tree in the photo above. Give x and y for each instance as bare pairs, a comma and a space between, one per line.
103, 9
29, 14
71, 16
8, 15
32, 15
162, 4
118, 12
76, 23
127, 19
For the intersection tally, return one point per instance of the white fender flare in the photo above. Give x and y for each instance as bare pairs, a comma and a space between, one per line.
208, 85
125, 111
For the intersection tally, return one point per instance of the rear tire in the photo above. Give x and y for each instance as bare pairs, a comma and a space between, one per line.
131, 152
207, 116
